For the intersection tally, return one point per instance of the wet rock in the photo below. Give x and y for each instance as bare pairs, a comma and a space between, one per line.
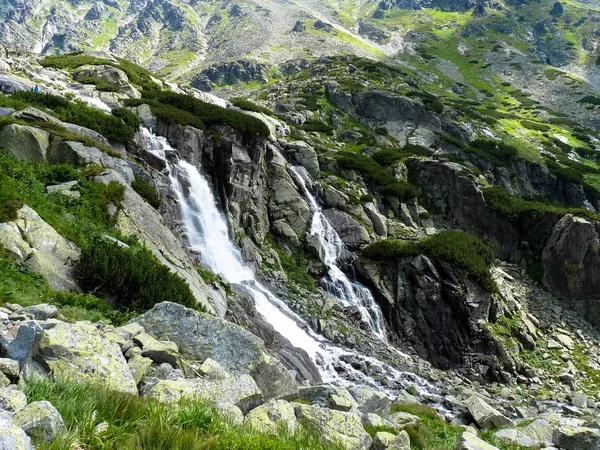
352, 233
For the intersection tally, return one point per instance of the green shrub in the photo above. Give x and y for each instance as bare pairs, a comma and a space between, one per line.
132, 276
295, 267
211, 114
111, 127
535, 125
381, 131
317, 126
590, 99
9, 208
243, 103
388, 156
514, 208
128, 117
101, 85
61, 173
88, 305
461, 249
146, 191
168, 114
377, 175
19, 284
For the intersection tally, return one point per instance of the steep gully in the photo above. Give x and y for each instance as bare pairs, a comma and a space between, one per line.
207, 234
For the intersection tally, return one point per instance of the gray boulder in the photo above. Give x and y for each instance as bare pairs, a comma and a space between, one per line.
388, 441
200, 336
485, 415
41, 420
469, 441
24, 142
540, 431
515, 437
328, 396
53, 255
12, 437
271, 416
240, 390
10, 368
335, 426
42, 311
576, 438
301, 153
352, 233
109, 74
370, 401
25, 344
12, 399
84, 353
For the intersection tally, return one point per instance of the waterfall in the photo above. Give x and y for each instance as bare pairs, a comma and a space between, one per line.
348, 293
207, 233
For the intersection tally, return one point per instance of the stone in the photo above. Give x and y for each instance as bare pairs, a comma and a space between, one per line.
272, 416
31, 114
81, 352
400, 419
12, 399
515, 437
334, 426
110, 74
200, 336
64, 189
579, 400
373, 420
159, 352
539, 431
41, 420
485, 415
576, 438
129, 331
303, 154
388, 441
139, 365
469, 441
25, 344
10, 368
328, 396
25, 142
4, 381
54, 254
43, 311
230, 412
240, 390
370, 401
352, 233
12, 437
212, 370
13, 244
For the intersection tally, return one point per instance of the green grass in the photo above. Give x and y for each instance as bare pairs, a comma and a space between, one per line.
591, 381
18, 284
295, 267
433, 433
139, 424
243, 103
461, 249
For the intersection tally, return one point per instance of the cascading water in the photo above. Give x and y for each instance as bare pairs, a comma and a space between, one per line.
207, 233
337, 283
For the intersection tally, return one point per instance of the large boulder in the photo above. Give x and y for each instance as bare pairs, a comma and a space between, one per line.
334, 426
300, 153
540, 432
82, 352
24, 142
388, 441
571, 262
12, 437
200, 336
24, 344
576, 438
12, 399
239, 390
515, 437
485, 415
370, 401
272, 416
40, 419
109, 74
328, 396
352, 233
42, 248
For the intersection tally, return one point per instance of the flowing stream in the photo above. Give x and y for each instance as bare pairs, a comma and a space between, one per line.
207, 234
337, 283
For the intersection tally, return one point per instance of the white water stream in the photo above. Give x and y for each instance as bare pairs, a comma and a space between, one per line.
337, 283
207, 234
